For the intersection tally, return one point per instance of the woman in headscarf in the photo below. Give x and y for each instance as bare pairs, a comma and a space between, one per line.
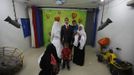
49, 61
79, 46
55, 36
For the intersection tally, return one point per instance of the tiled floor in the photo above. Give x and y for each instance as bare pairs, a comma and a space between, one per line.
91, 67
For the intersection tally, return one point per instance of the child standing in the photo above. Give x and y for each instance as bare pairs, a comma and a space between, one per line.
66, 56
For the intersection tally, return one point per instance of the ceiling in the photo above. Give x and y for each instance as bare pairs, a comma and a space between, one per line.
68, 3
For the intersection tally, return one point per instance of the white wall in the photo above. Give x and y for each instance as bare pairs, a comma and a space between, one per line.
9, 35
121, 31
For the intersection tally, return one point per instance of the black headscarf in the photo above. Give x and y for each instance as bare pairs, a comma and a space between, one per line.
45, 63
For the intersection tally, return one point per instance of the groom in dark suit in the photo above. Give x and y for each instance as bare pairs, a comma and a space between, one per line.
67, 33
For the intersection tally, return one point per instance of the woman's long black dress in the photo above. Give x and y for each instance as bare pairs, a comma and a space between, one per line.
79, 56
45, 63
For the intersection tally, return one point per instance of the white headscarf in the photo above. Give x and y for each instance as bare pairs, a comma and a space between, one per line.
55, 32
83, 38
55, 37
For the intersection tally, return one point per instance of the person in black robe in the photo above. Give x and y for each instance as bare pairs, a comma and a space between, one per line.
67, 33
79, 46
45, 64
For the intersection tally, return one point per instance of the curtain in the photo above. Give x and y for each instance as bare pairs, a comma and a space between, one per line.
35, 15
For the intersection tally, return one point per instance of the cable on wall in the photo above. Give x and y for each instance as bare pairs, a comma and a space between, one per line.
14, 10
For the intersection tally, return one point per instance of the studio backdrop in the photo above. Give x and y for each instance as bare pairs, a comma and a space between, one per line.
49, 14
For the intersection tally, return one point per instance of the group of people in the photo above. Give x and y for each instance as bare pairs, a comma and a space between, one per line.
65, 40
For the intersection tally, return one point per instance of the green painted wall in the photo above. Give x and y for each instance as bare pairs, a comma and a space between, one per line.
48, 19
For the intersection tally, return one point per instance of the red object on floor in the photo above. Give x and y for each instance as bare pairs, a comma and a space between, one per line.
104, 41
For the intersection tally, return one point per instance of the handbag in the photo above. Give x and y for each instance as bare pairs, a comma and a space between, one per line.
55, 66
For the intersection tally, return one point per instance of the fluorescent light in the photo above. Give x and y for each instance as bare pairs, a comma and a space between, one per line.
59, 2
102, 0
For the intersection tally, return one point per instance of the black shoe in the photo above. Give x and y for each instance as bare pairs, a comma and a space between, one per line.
63, 67
68, 68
